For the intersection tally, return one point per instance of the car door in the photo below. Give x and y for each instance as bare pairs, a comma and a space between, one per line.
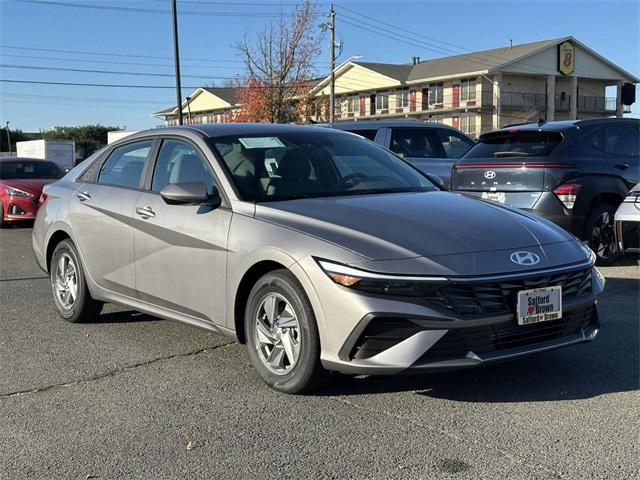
420, 147
622, 145
181, 250
100, 214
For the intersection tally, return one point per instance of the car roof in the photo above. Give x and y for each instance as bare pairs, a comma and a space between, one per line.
565, 124
375, 124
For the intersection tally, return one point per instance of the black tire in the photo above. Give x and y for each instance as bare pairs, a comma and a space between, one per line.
83, 308
307, 373
599, 233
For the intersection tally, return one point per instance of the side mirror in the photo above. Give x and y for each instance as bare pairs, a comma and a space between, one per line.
191, 193
437, 180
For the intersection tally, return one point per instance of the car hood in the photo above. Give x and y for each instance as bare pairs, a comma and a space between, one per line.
409, 225
33, 186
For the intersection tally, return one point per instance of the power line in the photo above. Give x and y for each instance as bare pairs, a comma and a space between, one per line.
79, 84
111, 72
151, 10
83, 99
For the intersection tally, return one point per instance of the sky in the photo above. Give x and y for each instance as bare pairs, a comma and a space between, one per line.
55, 34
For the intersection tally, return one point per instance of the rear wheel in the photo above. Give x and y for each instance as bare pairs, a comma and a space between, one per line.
282, 335
70, 293
599, 234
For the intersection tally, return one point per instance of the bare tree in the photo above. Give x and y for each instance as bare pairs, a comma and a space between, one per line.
279, 67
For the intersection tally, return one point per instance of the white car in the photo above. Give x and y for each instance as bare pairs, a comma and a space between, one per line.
628, 222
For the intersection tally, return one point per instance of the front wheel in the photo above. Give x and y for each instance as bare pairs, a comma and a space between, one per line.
282, 335
599, 234
69, 287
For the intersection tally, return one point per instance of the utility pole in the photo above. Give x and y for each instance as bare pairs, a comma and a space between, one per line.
176, 59
9, 140
332, 63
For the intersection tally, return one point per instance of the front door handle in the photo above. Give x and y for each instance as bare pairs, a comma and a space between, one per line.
145, 212
84, 196
622, 166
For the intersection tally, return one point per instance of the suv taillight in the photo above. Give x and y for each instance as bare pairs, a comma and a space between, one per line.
567, 194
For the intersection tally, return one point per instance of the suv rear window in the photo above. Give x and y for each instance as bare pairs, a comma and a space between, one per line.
517, 144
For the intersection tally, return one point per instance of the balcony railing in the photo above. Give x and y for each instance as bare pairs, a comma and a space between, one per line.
523, 100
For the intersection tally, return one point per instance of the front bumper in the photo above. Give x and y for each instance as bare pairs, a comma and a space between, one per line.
19, 208
391, 336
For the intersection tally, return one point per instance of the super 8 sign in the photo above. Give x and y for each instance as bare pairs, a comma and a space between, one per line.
566, 58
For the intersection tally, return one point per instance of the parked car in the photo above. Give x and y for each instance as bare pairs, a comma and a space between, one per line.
318, 249
432, 147
21, 182
627, 222
574, 173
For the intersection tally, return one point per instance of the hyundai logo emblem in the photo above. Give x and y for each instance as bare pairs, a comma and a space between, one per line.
524, 258
489, 174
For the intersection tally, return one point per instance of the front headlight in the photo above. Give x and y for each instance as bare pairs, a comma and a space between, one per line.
590, 253
16, 192
380, 283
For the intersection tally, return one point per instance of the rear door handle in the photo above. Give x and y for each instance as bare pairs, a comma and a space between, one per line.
84, 196
622, 166
145, 212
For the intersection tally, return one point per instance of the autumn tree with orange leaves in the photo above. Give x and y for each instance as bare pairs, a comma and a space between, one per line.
279, 68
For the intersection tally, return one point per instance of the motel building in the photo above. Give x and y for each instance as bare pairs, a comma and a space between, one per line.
556, 79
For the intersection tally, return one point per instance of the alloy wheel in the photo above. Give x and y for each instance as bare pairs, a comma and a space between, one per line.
66, 282
277, 334
602, 239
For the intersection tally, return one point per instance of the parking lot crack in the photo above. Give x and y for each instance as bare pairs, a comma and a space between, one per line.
111, 373
548, 472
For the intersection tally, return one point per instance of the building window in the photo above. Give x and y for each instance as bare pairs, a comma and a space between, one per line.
382, 101
435, 93
468, 123
468, 89
352, 104
402, 98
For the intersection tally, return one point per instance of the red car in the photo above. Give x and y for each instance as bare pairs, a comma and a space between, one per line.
21, 182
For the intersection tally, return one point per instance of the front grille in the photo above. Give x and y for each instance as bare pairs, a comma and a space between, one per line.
500, 297
505, 336
630, 235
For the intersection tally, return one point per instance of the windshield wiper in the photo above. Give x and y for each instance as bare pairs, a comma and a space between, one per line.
510, 154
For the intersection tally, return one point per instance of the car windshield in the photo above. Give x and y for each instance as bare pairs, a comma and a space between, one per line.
515, 144
292, 165
25, 169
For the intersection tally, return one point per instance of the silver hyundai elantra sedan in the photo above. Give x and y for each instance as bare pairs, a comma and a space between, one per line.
319, 250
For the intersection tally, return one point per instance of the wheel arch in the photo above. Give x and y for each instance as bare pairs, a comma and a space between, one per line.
54, 239
248, 280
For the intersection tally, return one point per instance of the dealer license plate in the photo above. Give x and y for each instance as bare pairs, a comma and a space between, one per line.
499, 197
539, 305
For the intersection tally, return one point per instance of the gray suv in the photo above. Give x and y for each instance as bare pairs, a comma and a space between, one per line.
432, 147
318, 249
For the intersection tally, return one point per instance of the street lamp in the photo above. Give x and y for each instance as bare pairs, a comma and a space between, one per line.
188, 109
9, 140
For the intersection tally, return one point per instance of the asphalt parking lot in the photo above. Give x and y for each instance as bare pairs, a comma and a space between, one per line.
132, 396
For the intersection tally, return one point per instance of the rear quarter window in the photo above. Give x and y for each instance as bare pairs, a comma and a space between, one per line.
368, 134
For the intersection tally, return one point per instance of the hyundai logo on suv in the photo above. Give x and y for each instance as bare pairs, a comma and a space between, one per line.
524, 258
489, 174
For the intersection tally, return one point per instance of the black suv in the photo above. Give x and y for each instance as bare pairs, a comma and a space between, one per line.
432, 147
574, 173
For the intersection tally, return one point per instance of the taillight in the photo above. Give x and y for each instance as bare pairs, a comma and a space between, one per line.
42, 199
567, 194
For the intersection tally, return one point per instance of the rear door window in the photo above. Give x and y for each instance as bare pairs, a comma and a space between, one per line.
622, 141
413, 143
517, 144
454, 144
124, 166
